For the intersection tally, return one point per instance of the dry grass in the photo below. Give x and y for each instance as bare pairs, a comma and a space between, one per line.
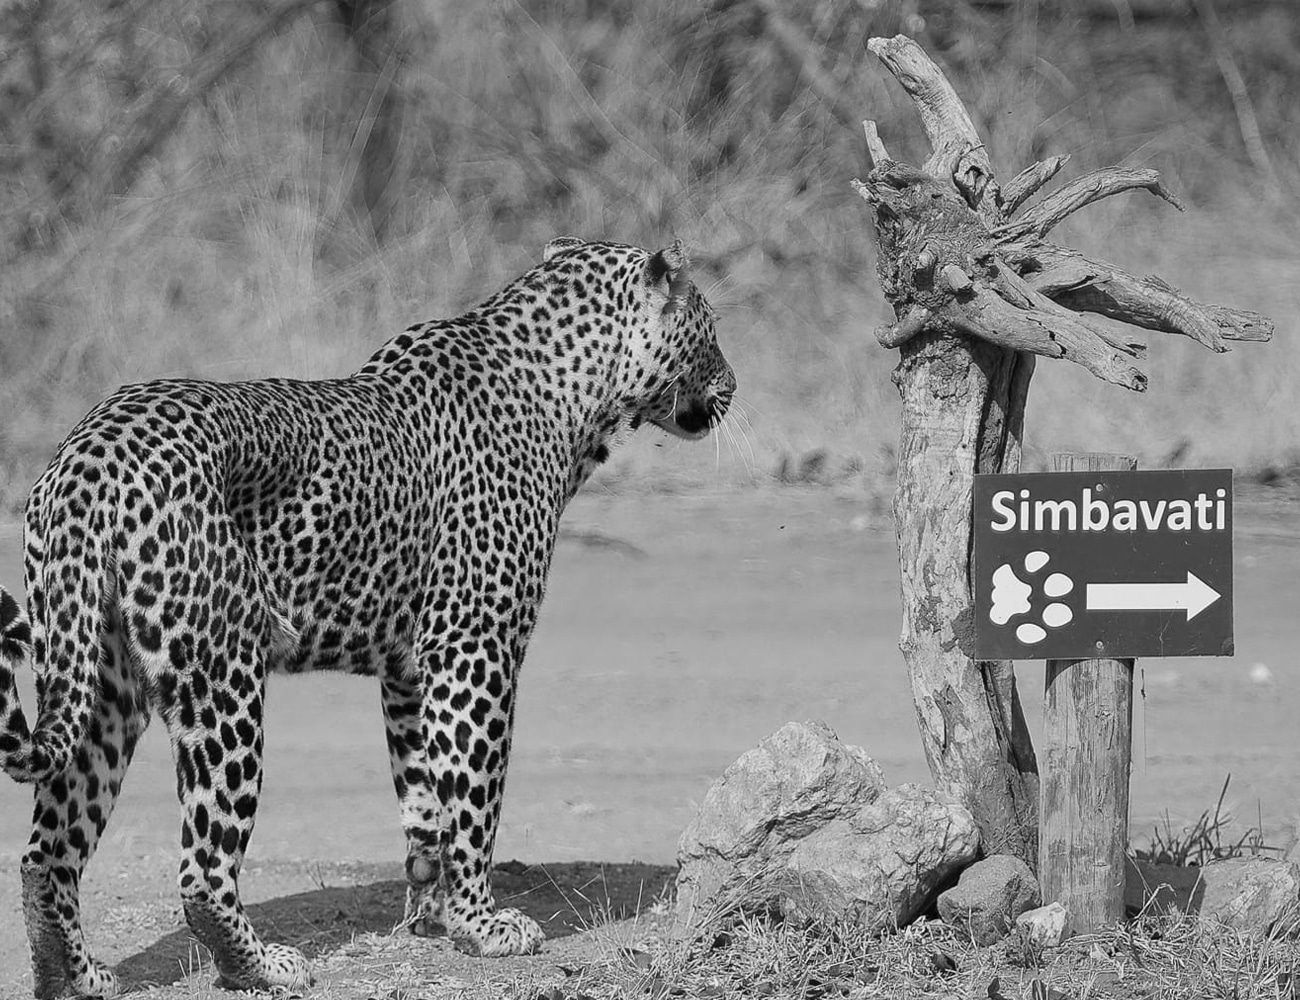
237, 254
1172, 957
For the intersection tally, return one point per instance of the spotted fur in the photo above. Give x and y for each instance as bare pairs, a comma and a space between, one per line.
189, 537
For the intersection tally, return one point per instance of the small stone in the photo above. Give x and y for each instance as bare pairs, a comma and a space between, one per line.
988, 897
1044, 926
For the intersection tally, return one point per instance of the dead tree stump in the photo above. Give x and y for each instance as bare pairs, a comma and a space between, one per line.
977, 294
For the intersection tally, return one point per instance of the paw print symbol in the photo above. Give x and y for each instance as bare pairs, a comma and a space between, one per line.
1011, 598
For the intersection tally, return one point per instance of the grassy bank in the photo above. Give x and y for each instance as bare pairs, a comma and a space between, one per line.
236, 253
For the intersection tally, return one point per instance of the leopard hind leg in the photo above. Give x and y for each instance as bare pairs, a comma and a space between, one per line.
209, 657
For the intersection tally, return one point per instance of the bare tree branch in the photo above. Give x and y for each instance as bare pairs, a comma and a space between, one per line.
916, 319
1046, 333
958, 152
1023, 186
1080, 192
1079, 283
875, 146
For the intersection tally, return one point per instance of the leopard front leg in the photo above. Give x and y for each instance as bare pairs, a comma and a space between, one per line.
417, 799
468, 712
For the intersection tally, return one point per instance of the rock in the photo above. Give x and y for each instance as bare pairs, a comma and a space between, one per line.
1293, 848
880, 868
1044, 926
1252, 895
793, 783
1247, 894
988, 898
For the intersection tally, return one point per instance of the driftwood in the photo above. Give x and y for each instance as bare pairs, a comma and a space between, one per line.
978, 292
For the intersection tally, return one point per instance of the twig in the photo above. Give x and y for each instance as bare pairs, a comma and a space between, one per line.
1028, 181
905, 329
875, 146
1080, 192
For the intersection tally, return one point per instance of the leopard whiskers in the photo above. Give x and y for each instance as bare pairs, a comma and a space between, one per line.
738, 443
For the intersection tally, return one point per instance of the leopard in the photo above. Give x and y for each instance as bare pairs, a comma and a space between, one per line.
191, 537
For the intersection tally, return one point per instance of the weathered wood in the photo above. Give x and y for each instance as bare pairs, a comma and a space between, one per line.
1050, 334
1083, 191
1081, 284
913, 322
1087, 745
963, 413
875, 147
963, 406
958, 154
1026, 183
938, 271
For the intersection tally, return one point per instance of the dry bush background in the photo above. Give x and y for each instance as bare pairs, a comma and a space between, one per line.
248, 188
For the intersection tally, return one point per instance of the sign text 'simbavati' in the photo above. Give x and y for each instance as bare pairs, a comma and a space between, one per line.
1115, 564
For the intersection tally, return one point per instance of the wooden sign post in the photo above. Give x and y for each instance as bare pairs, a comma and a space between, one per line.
1087, 753
978, 291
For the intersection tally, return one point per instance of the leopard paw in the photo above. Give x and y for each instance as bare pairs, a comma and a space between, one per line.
505, 932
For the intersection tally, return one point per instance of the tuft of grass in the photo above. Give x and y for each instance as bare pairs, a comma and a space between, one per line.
1205, 840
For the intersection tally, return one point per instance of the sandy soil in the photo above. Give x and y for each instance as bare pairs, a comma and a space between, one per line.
678, 631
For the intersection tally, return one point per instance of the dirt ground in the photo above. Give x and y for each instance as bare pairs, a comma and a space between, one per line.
678, 631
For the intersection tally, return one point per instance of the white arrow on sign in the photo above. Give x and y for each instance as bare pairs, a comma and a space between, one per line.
1194, 596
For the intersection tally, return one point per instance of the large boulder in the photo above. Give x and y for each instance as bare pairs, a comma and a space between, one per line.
988, 898
881, 867
1253, 895
803, 821
796, 781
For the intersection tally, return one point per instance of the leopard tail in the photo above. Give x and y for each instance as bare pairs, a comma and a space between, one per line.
15, 647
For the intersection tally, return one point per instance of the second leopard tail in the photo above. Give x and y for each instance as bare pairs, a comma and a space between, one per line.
15, 647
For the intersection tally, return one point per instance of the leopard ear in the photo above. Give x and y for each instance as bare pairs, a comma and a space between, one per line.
668, 272
559, 245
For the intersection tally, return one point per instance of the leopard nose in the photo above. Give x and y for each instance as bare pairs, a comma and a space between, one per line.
694, 419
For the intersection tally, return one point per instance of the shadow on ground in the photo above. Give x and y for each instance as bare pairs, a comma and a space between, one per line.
563, 898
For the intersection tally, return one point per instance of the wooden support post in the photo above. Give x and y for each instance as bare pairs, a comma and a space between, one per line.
1088, 737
